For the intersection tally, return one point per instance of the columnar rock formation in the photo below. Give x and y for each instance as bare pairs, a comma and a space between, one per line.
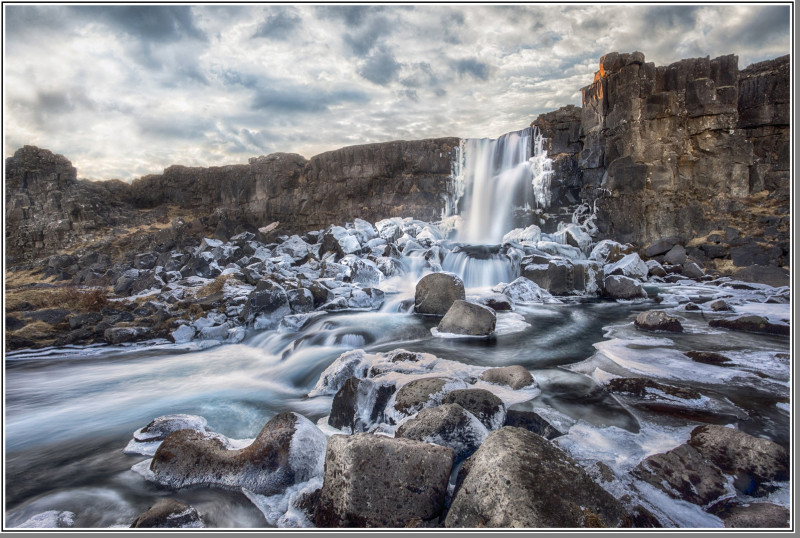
683, 150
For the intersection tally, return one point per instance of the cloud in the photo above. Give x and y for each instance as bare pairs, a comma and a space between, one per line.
472, 66
158, 24
305, 99
281, 23
380, 67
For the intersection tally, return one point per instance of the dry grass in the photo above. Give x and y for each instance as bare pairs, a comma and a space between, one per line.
69, 297
37, 331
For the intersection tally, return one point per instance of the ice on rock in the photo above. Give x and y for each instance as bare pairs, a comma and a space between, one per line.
428, 236
531, 234
555, 248
630, 266
364, 230
52, 519
353, 363
147, 439
449, 225
307, 449
523, 290
183, 334
572, 234
294, 247
282, 510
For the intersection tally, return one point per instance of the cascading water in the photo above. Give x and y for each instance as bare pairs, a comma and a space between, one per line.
491, 178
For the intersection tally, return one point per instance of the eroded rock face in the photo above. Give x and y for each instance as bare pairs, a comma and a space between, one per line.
289, 449
377, 481
518, 479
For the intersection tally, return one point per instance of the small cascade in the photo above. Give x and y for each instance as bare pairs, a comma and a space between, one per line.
541, 170
480, 265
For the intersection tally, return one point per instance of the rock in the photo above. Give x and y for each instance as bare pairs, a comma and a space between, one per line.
692, 270
661, 246
145, 260
436, 292
51, 519
655, 269
168, 514
13, 323
359, 404
607, 251
183, 334
752, 324
377, 481
497, 302
644, 387
486, 407
468, 319
720, 305
125, 282
676, 255
531, 234
294, 247
524, 290
752, 461
756, 516
518, 479
447, 425
300, 300
764, 274
416, 394
657, 320
684, 474
337, 240
691, 307
364, 272
51, 316
267, 299
524, 415
630, 266
622, 287
708, 357
288, 450
159, 428
120, 335
515, 377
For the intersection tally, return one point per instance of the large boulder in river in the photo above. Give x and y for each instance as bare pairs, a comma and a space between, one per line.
515, 376
168, 514
622, 287
518, 479
446, 425
377, 481
436, 293
417, 394
289, 449
469, 319
267, 299
359, 404
751, 324
657, 320
751, 460
487, 407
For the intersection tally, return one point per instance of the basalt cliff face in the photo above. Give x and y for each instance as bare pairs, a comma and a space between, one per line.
697, 150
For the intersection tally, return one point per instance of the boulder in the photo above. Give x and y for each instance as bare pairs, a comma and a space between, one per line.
518, 479
676, 255
764, 274
497, 302
684, 474
720, 305
661, 246
294, 247
692, 270
417, 394
267, 299
751, 324
755, 516
378, 481
359, 404
159, 428
289, 449
515, 376
487, 407
468, 319
657, 320
168, 514
524, 415
524, 290
751, 460
447, 425
300, 300
607, 251
120, 335
643, 388
622, 287
655, 269
436, 292
630, 266
708, 357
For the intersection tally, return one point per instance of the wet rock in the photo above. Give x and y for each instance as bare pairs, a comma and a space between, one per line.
52, 316
300, 300
683, 473
630, 266
755, 516
169, 514
337, 240
524, 415
51, 519
364, 272
145, 260
691, 307
159, 428
515, 376
622, 287
294, 247
267, 299
486, 407
518, 479
657, 320
120, 335
359, 404
708, 357
468, 319
289, 449
751, 460
417, 394
642, 388
720, 305
377, 481
751, 324
497, 302
435, 293
447, 425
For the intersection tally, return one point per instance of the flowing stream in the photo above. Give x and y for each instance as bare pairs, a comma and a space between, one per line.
71, 411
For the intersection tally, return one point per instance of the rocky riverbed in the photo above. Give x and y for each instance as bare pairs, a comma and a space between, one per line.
675, 415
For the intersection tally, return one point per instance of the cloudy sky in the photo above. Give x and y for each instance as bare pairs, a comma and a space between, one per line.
126, 90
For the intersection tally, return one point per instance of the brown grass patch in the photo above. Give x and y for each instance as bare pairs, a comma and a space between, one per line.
216, 286
69, 297
37, 331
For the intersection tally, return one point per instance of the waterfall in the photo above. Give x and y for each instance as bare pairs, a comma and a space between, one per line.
541, 170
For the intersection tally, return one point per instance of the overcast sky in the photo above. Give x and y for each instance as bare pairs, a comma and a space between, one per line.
124, 91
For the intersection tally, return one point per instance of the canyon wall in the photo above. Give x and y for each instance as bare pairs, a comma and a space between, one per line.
697, 150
